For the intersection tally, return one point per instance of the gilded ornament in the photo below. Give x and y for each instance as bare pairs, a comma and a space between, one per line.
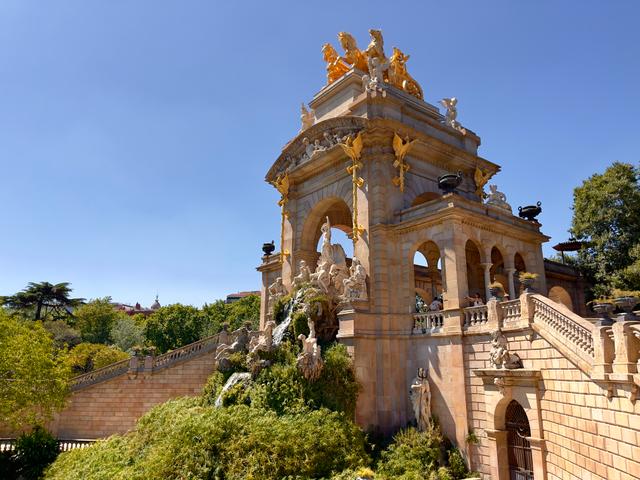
399, 77
481, 178
401, 148
282, 184
352, 54
335, 65
353, 148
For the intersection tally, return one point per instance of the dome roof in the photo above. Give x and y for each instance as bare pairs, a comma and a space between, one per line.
156, 304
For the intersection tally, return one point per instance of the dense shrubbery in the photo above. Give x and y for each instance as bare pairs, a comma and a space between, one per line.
277, 426
182, 439
34, 452
86, 357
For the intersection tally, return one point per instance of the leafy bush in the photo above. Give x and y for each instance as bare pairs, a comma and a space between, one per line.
63, 335
34, 452
212, 388
300, 324
126, 333
181, 439
279, 308
95, 319
412, 454
457, 465
87, 357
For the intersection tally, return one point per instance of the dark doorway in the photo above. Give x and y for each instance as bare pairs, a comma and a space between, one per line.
518, 446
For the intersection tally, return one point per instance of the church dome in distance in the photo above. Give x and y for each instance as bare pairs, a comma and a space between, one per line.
156, 304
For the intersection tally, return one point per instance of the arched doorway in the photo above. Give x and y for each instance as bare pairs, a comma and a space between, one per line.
427, 274
518, 445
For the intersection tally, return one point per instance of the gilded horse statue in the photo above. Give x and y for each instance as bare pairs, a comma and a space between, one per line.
352, 54
335, 66
399, 76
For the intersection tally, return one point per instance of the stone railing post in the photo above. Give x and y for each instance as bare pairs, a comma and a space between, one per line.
148, 363
134, 362
603, 351
626, 348
494, 315
453, 320
526, 307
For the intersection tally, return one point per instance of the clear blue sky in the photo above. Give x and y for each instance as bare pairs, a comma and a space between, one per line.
135, 135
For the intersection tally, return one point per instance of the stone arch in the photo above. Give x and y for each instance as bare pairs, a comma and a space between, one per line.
519, 266
560, 295
475, 270
339, 214
429, 278
497, 271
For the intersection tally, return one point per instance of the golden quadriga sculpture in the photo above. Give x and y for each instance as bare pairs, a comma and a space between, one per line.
372, 61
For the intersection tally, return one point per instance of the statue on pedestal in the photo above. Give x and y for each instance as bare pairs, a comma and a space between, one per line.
355, 287
307, 117
452, 114
497, 199
499, 356
420, 395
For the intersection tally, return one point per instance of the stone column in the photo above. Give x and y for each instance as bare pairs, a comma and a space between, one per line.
626, 348
538, 453
512, 287
487, 279
498, 456
454, 266
603, 351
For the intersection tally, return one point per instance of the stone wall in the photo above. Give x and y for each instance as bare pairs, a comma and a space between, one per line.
587, 435
114, 406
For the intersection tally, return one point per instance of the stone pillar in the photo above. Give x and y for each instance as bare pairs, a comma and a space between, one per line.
454, 267
487, 279
498, 456
603, 351
538, 454
626, 348
494, 315
512, 287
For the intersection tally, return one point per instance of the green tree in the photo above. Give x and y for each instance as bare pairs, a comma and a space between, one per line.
605, 213
95, 320
174, 326
126, 333
43, 300
33, 380
246, 309
215, 315
63, 335
85, 357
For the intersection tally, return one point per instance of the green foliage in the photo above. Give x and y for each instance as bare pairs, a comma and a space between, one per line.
42, 301
173, 326
279, 308
126, 333
300, 324
180, 439
412, 454
215, 315
245, 310
95, 320
63, 335
34, 452
212, 388
86, 357
33, 382
605, 213
457, 465
280, 388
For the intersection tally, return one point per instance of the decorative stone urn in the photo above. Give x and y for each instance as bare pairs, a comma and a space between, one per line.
527, 283
268, 248
449, 182
626, 304
530, 212
604, 310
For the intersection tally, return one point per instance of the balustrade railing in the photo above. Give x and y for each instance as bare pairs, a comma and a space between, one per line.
511, 311
101, 374
428, 321
475, 316
202, 346
9, 444
578, 333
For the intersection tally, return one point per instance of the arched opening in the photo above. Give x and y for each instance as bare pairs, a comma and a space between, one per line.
427, 273
424, 198
339, 215
497, 269
519, 265
518, 445
475, 272
560, 295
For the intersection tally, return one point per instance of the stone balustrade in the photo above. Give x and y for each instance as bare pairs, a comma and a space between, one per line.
152, 363
9, 444
475, 316
511, 311
428, 322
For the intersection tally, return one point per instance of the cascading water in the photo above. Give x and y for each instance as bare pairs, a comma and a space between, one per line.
238, 377
281, 329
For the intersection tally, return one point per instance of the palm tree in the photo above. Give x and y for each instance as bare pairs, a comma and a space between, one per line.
46, 298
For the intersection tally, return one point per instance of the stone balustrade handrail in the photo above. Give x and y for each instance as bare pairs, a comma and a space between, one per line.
511, 310
9, 444
428, 321
571, 330
131, 365
475, 316
100, 375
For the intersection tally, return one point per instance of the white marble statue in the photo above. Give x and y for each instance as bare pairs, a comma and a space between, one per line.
321, 278
308, 150
277, 290
307, 117
265, 340
420, 395
330, 253
497, 199
330, 139
452, 114
375, 79
310, 359
338, 275
304, 275
355, 287
499, 356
